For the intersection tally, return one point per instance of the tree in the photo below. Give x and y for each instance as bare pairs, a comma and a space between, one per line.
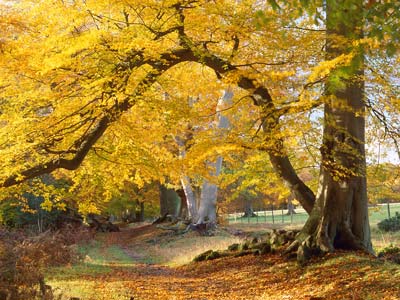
95, 71
340, 216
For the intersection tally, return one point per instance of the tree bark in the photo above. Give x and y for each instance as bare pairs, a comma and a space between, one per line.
340, 217
208, 203
278, 156
170, 202
186, 183
190, 197
208, 198
183, 211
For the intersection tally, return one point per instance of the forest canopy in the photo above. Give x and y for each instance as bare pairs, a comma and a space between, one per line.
106, 93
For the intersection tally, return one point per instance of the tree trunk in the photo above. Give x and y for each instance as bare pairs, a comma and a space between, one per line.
208, 198
282, 166
185, 180
190, 197
170, 202
248, 209
208, 203
339, 218
139, 214
183, 212
290, 207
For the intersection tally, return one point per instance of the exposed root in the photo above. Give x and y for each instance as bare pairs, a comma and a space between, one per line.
306, 246
318, 242
292, 247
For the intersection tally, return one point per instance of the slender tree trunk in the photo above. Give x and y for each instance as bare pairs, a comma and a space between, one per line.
139, 213
248, 209
185, 181
282, 166
290, 207
340, 215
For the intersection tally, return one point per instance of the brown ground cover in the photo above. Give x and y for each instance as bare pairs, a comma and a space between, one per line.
336, 276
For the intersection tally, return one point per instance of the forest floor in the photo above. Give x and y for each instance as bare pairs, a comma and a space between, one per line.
148, 263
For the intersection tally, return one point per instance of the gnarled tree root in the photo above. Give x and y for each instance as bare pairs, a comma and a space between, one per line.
318, 242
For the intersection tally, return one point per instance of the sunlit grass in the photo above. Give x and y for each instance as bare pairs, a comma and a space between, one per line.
182, 252
96, 259
381, 239
82, 279
87, 289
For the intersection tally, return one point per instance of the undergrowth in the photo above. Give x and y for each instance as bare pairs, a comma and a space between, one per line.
23, 260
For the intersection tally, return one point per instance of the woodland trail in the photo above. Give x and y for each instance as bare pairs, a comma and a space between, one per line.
337, 276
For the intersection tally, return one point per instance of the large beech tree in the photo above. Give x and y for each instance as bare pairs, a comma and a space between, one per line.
71, 86
340, 215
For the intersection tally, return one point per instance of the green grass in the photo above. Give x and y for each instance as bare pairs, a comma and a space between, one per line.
96, 259
100, 260
79, 280
277, 217
380, 212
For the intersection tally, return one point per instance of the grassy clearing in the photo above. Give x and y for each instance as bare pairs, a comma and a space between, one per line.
113, 253
181, 252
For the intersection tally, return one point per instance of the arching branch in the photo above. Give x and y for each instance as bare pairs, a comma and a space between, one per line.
88, 140
259, 94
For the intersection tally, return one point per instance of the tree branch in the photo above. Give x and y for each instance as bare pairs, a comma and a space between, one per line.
88, 140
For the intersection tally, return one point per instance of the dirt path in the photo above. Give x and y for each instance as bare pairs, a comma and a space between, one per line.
338, 276
267, 277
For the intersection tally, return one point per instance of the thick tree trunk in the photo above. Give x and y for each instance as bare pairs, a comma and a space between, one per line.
208, 203
208, 198
170, 202
339, 218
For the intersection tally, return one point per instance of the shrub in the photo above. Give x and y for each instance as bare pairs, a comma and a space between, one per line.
391, 224
390, 253
23, 259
